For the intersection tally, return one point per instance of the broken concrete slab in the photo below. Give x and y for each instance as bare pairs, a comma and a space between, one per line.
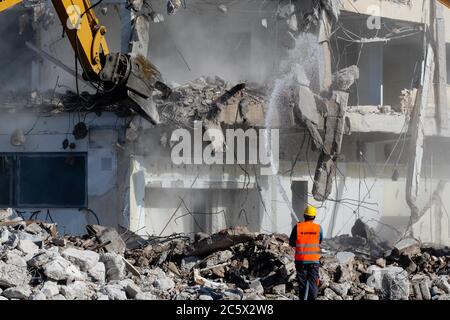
98, 272
307, 105
443, 283
132, 290
221, 241
27, 247
392, 282
145, 296
37, 296
115, 266
20, 292
409, 246
84, 259
42, 258
108, 236
345, 78
50, 289
114, 292
77, 290
61, 269
13, 276
14, 258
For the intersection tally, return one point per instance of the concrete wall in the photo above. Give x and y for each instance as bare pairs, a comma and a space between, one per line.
194, 198
418, 11
46, 134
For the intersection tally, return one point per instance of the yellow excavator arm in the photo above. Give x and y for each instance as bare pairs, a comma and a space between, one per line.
83, 29
132, 77
445, 3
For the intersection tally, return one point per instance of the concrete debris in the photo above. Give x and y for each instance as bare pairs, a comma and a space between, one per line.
407, 101
345, 78
84, 259
60, 269
50, 289
391, 282
21, 293
114, 265
206, 98
233, 264
12, 275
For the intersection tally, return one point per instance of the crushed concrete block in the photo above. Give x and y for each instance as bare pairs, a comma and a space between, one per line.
37, 296
59, 297
114, 265
340, 288
324, 279
4, 235
331, 295
344, 78
408, 247
3, 298
392, 282
307, 104
425, 289
6, 214
50, 289
116, 245
60, 269
145, 296
101, 296
39, 260
165, 283
279, 289
84, 259
21, 292
13, 258
114, 292
77, 290
371, 296
27, 247
205, 297
98, 272
13, 276
132, 290
442, 283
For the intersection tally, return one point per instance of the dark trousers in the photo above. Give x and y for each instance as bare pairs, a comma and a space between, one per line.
307, 275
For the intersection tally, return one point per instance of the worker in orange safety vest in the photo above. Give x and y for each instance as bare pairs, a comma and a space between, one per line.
306, 237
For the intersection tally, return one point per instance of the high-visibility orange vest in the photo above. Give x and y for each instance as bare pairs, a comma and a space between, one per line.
307, 248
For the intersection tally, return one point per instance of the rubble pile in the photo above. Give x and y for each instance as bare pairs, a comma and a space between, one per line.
36, 263
198, 99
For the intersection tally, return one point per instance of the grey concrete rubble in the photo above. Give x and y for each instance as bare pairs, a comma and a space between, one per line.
233, 264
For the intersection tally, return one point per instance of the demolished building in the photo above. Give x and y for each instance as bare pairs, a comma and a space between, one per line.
361, 114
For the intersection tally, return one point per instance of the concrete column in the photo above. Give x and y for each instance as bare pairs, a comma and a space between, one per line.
137, 197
